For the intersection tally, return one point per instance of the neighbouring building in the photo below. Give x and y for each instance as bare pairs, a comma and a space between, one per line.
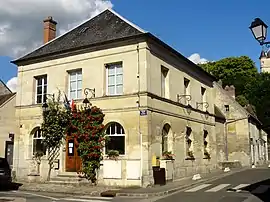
265, 61
154, 99
240, 137
7, 122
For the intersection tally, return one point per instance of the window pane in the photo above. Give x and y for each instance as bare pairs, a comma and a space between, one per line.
112, 129
39, 99
108, 131
73, 95
73, 85
39, 90
45, 79
119, 129
79, 75
111, 90
119, 89
79, 94
45, 89
39, 81
111, 80
111, 70
72, 76
119, 69
79, 85
119, 79
116, 143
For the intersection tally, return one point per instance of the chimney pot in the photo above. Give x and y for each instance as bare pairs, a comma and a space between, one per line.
49, 29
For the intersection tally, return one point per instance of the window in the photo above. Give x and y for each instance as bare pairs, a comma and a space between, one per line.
75, 85
38, 146
205, 144
203, 97
164, 82
186, 89
227, 108
164, 138
41, 89
116, 141
114, 79
189, 143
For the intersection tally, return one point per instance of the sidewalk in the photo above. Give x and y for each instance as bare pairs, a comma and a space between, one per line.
89, 190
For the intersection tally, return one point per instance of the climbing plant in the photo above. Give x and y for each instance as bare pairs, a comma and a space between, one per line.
87, 129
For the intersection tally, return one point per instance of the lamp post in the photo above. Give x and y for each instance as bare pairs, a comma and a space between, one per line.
259, 31
86, 101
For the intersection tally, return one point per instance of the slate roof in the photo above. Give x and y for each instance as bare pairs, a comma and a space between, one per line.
106, 26
4, 98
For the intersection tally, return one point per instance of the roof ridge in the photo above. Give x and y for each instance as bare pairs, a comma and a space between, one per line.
127, 21
44, 44
88, 19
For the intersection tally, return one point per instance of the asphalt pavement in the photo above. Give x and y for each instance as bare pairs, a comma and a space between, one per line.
248, 186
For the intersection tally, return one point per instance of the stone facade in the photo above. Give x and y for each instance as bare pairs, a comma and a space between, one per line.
7, 122
241, 140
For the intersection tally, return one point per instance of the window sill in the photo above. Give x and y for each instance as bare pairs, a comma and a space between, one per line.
190, 158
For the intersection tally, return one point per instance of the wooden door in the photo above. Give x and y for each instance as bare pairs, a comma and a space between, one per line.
73, 161
9, 152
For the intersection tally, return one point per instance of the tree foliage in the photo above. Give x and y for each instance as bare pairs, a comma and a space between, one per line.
251, 87
87, 129
54, 128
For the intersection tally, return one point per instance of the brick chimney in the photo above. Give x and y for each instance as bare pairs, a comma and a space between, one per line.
49, 29
230, 90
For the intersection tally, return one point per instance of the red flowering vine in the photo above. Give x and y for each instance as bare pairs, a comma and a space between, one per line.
87, 129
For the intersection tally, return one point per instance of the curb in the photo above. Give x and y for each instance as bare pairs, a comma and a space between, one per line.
163, 193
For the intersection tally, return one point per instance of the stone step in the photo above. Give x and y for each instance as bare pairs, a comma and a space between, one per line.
68, 178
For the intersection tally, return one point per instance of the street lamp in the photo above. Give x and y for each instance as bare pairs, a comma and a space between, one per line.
86, 101
259, 31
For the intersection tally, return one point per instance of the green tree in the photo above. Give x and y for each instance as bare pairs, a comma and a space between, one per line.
54, 128
235, 71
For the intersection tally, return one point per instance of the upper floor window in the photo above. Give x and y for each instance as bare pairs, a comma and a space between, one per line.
114, 79
186, 88
75, 84
203, 97
41, 89
227, 108
164, 82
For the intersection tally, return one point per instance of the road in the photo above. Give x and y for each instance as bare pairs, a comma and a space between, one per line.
245, 186
228, 189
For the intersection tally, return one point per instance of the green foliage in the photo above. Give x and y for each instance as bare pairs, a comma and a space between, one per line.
235, 71
54, 128
87, 129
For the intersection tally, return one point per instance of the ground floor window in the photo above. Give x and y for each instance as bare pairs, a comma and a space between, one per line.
38, 145
116, 134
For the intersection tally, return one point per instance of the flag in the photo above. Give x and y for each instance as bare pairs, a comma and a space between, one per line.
66, 102
73, 105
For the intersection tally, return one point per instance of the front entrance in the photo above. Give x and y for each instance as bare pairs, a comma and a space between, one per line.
73, 161
9, 152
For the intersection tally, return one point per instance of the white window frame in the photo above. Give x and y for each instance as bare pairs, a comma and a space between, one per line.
43, 95
69, 84
36, 138
116, 135
115, 74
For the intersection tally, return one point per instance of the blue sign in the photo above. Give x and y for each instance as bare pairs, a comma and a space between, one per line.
143, 112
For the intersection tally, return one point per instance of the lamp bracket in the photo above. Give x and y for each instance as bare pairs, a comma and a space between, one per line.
90, 90
205, 104
187, 97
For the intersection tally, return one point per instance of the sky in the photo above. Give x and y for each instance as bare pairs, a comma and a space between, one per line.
200, 30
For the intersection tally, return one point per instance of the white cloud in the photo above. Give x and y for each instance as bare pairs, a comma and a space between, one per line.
21, 28
12, 84
196, 58
21, 20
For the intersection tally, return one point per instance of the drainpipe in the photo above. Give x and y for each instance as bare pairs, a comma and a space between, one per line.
139, 118
226, 133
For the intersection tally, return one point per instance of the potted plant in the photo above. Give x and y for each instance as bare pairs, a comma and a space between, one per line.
113, 154
190, 155
167, 155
